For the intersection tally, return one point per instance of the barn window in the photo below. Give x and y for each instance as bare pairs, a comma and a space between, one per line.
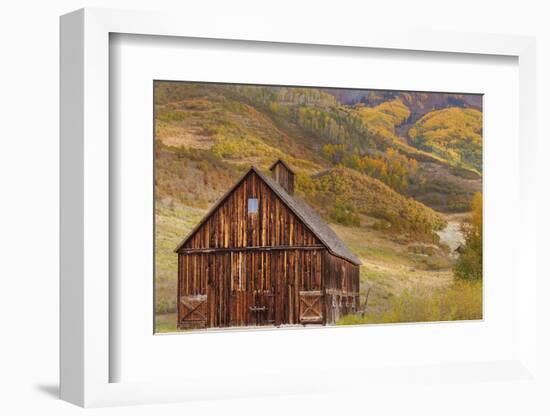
252, 205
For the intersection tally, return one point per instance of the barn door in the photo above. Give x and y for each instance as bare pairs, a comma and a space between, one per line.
262, 308
311, 307
192, 311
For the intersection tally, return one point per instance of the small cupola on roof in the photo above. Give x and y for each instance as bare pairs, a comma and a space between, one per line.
283, 175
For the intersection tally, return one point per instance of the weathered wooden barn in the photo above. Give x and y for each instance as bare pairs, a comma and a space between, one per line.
261, 256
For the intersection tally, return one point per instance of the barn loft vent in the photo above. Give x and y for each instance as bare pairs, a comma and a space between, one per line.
252, 205
283, 175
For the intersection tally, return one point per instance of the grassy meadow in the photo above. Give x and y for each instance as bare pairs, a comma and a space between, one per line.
393, 174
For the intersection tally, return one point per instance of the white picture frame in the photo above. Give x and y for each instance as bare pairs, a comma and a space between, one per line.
85, 211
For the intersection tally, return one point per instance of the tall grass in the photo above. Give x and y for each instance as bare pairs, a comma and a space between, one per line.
463, 300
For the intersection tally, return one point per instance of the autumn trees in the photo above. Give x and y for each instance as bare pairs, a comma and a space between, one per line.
470, 263
453, 134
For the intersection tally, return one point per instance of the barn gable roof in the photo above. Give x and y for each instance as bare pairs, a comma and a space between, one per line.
303, 211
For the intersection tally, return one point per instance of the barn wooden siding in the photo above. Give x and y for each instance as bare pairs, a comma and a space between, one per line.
250, 287
265, 287
284, 177
341, 281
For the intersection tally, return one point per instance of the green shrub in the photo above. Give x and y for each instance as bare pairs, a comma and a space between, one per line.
343, 214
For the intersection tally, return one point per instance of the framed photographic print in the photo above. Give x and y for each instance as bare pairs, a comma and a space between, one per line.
277, 206
280, 206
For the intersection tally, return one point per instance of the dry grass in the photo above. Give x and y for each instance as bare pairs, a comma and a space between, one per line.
178, 136
165, 322
460, 301
171, 226
389, 268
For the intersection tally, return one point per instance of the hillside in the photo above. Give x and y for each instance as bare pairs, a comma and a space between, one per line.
314, 131
360, 135
206, 117
208, 135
